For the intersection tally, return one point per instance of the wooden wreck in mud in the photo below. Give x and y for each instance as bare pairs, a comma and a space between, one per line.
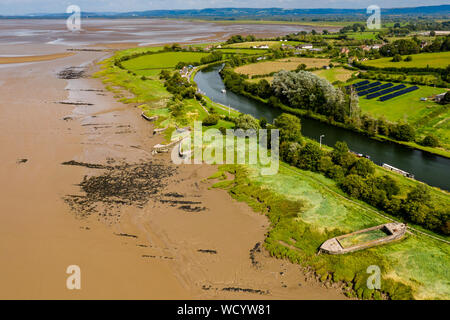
363, 239
148, 118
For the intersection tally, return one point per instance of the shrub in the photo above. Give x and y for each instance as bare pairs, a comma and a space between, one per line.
289, 126
211, 120
246, 121
430, 141
397, 58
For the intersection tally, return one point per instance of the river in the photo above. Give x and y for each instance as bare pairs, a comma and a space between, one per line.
432, 169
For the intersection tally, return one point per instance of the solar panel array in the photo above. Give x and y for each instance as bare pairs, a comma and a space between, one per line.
383, 92
361, 83
384, 86
368, 86
398, 93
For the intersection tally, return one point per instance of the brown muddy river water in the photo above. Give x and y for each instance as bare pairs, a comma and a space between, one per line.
79, 185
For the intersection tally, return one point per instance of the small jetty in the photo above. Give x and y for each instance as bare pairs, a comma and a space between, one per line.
364, 239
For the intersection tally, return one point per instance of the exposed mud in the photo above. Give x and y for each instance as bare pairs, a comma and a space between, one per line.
120, 185
71, 73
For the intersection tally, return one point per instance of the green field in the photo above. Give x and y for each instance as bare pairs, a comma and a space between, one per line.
150, 65
242, 51
335, 74
421, 60
368, 35
427, 117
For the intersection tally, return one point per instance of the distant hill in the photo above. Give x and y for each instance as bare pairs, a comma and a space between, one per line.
251, 13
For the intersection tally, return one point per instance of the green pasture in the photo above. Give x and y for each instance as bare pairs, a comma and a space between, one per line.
152, 64
421, 60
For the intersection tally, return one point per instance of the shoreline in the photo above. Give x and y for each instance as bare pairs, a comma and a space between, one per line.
132, 245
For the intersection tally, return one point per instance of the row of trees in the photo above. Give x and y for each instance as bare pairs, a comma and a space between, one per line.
356, 177
305, 90
413, 45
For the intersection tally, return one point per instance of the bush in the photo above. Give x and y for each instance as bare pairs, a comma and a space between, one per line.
362, 167
246, 121
354, 186
289, 126
397, 58
211, 120
430, 141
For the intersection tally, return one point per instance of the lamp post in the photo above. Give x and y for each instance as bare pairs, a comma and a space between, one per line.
320, 140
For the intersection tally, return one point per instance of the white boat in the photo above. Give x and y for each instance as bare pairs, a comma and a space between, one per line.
224, 91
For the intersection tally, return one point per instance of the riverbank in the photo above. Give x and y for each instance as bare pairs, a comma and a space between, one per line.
74, 157
427, 168
316, 214
440, 151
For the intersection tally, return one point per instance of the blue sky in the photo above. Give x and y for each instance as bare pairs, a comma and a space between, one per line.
10, 7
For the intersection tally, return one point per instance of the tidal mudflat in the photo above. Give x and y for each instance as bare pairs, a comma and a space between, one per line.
75, 183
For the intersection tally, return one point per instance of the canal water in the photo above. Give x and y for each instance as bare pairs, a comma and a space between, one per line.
432, 169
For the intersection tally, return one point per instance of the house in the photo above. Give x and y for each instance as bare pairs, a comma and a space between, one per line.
345, 50
439, 97
306, 46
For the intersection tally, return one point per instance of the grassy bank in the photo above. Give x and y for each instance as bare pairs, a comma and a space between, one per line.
304, 208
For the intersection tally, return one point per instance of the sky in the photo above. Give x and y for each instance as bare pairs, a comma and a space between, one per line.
14, 7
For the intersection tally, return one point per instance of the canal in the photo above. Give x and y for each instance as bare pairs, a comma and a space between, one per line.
432, 169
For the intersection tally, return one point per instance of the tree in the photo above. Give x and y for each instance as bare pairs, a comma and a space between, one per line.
339, 151
263, 89
289, 126
309, 157
403, 132
388, 184
246, 121
408, 58
289, 152
305, 90
397, 58
263, 123
211, 120
325, 164
354, 186
362, 167
430, 141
